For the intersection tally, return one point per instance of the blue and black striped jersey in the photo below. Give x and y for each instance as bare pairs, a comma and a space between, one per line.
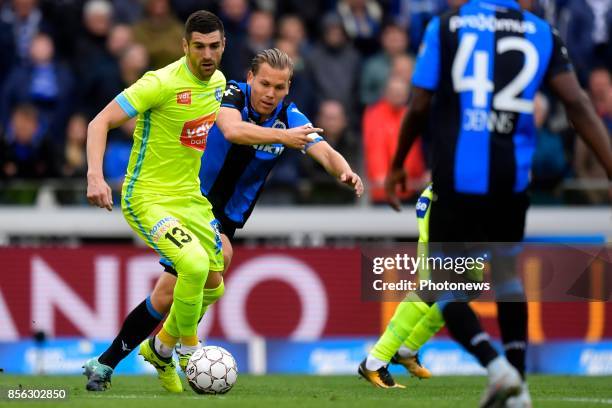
232, 175
485, 63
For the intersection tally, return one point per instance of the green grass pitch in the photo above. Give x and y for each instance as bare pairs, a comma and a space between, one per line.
274, 391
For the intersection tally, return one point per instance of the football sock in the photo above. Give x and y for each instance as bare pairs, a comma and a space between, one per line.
512, 319
406, 352
163, 346
192, 271
210, 296
464, 326
184, 349
373, 364
406, 316
136, 327
425, 328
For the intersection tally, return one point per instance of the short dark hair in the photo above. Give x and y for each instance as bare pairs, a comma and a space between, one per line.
274, 57
203, 22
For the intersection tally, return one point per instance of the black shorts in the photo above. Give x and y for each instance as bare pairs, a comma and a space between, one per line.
224, 228
471, 218
458, 220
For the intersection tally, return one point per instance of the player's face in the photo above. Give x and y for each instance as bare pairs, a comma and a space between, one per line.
204, 53
268, 87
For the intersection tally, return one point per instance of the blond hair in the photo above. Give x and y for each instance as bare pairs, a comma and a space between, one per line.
274, 57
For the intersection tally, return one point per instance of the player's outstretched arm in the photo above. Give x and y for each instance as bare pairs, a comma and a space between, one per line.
413, 124
98, 191
235, 130
582, 115
336, 165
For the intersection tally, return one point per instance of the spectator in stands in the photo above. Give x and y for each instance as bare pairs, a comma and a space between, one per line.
361, 20
91, 45
550, 164
127, 11
26, 20
318, 186
381, 123
309, 11
377, 68
120, 38
109, 81
402, 67
75, 161
184, 8
600, 85
415, 14
117, 157
26, 152
260, 32
300, 91
334, 67
291, 28
160, 32
43, 82
585, 164
7, 50
586, 28
235, 16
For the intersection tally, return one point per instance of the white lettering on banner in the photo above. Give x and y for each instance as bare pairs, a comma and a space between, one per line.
300, 276
49, 292
596, 362
8, 330
141, 270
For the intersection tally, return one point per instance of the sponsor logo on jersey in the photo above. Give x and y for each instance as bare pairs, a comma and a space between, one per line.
483, 22
274, 149
421, 206
195, 132
184, 98
160, 228
230, 90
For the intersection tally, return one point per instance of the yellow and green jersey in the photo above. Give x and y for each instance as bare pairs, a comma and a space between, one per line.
175, 112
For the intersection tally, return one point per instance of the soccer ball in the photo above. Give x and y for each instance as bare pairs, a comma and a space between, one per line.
212, 370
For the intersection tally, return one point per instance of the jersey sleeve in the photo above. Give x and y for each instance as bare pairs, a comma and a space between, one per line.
233, 97
559, 58
427, 70
295, 118
142, 95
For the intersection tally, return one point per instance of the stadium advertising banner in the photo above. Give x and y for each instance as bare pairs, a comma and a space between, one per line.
284, 310
299, 294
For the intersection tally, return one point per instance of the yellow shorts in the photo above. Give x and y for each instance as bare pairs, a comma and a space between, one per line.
172, 225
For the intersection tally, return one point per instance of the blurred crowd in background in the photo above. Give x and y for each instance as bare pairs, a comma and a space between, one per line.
62, 61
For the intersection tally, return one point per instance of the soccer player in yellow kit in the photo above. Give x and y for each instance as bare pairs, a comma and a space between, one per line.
161, 200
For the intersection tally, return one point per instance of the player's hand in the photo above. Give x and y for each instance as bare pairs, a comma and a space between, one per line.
394, 179
299, 137
99, 192
352, 180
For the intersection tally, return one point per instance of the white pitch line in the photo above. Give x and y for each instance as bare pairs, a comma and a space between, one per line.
133, 396
602, 401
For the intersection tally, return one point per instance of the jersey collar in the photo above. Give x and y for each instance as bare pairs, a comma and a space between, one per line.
512, 4
192, 75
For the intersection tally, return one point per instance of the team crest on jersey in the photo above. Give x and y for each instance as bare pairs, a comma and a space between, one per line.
195, 132
184, 98
279, 124
218, 94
